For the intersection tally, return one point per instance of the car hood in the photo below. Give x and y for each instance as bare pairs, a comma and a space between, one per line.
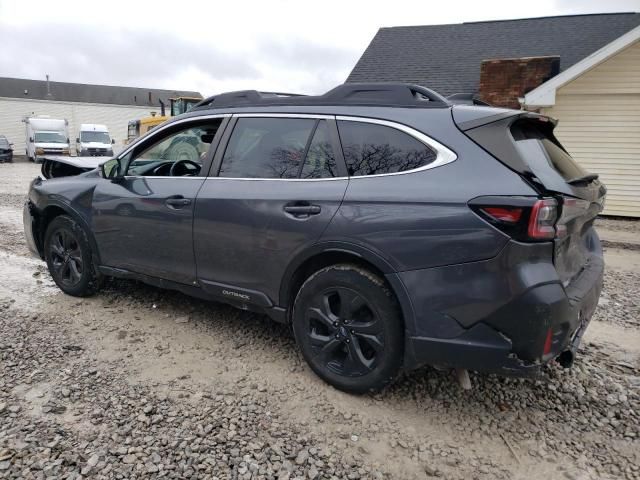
79, 162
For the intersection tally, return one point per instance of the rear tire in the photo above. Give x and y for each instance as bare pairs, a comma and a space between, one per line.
69, 258
349, 328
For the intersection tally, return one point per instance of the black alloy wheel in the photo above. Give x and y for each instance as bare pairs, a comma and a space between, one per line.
66, 256
345, 334
69, 257
349, 328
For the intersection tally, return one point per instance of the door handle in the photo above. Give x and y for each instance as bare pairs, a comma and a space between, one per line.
177, 201
302, 210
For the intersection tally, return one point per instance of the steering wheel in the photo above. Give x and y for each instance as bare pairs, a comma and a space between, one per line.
173, 170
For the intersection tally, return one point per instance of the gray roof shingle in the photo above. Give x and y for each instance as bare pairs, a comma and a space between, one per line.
84, 93
447, 58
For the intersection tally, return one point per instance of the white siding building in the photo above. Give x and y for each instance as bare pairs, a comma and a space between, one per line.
597, 103
77, 103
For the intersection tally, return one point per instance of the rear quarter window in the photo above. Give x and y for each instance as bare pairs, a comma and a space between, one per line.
372, 149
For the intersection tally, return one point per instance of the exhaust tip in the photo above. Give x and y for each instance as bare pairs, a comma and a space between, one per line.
565, 359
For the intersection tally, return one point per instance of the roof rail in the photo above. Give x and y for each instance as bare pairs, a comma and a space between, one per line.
363, 94
243, 96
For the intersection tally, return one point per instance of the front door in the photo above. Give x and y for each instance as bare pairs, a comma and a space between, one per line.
281, 180
143, 223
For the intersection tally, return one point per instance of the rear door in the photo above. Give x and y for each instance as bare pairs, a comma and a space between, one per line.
272, 193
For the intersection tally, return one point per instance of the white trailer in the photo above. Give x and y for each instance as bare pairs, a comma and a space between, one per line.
46, 136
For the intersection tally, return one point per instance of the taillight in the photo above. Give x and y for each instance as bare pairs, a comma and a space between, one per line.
522, 218
504, 214
548, 343
571, 208
544, 214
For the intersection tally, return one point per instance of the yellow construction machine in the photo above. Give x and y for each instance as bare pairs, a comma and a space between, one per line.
178, 105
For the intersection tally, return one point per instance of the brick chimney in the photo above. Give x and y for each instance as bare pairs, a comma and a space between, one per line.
503, 80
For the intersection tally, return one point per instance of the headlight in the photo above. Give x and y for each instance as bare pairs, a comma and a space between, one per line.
39, 151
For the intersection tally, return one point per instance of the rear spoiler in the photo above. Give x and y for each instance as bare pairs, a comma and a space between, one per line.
467, 118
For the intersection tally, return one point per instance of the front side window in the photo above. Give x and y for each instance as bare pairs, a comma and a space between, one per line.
371, 149
266, 148
176, 154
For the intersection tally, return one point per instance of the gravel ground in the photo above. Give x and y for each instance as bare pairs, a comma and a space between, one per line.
620, 301
136, 382
619, 224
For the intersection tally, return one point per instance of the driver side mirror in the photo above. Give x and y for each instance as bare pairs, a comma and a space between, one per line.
30, 139
111, 170
113, 141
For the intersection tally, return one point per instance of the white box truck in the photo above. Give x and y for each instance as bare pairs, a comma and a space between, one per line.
46, 136
94, 141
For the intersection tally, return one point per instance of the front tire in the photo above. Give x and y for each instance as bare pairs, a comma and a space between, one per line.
349, 328
69, 257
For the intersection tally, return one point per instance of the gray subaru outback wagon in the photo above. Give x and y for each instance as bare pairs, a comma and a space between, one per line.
388, 226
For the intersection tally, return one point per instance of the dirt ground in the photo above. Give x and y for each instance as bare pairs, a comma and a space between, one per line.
137, 382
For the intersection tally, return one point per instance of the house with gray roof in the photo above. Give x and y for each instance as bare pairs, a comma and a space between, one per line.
78, 103
583, 70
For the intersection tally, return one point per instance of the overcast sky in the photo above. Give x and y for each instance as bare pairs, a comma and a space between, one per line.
283, 45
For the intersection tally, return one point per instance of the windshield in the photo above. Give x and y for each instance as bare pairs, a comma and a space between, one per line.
50, 137
4, 142
97, 137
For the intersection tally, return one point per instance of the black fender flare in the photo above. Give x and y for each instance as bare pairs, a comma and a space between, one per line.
73, 213
359, 251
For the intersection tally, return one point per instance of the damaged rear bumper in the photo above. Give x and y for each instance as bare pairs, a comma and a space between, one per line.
480, 348
509, 315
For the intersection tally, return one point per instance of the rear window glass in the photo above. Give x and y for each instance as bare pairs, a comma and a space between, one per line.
266, 148
538, 144
371, 149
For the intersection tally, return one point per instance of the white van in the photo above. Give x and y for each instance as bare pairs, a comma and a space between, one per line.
94, 141
46, 136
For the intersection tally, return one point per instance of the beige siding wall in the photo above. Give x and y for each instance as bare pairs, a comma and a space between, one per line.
618, 74
115, 117
599, 115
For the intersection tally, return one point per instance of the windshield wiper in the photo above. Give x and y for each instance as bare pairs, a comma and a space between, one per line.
588, 178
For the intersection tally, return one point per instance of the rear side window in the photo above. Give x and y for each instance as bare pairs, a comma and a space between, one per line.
266, 148
371, 149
